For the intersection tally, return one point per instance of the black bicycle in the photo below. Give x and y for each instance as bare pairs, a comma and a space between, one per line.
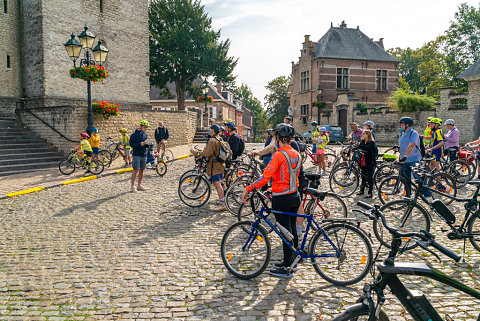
415, 302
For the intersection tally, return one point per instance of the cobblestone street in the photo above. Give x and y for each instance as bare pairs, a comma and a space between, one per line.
94, 250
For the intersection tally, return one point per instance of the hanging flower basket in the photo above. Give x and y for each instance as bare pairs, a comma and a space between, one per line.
105, 108
202, 99
94, 73
319, 104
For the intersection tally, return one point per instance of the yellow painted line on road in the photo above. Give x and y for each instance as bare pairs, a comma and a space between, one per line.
31, 190
78, 180
124, 170
183, 157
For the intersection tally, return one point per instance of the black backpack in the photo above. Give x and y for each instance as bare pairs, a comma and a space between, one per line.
241, 146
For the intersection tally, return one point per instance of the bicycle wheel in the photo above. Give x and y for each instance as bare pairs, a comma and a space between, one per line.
331, 207
95, 167
345, 254
443, 183
358, 312
384, 170
66, 167
473, 228
329, 161
161, 168
344, 180
194, 190
245, 213
105, 157
189, 172
391, 188
245, 250
233, 195
460, 171
404, 215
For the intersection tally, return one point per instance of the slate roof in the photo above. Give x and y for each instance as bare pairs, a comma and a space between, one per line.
472, 71
347, 43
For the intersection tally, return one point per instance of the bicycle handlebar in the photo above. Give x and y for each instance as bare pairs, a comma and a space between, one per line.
374, 213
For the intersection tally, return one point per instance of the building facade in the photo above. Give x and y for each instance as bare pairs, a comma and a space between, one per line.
35, 65
343, 61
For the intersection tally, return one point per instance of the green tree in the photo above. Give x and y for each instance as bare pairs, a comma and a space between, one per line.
277, 100
184, 46
259, 115
408, 69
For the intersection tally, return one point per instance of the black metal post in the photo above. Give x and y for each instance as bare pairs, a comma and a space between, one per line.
89, 95
206, 110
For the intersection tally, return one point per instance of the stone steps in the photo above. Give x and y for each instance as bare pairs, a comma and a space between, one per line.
22, 150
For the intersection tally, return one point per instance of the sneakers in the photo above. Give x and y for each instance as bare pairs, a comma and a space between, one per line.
280, 266
141, 188
324, 173
219, 208
281, 272
133, 189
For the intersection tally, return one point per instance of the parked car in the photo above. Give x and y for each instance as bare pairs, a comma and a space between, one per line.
335, 133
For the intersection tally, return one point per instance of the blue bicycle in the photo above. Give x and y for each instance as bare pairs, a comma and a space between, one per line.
339, 250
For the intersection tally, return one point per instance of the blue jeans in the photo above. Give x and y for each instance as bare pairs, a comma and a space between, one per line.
406, 171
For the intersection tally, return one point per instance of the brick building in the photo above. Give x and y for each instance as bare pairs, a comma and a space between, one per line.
343, 61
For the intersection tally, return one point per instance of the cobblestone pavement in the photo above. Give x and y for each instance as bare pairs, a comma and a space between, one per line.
95, 251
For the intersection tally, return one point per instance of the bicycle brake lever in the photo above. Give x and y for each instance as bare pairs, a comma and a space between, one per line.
424, 246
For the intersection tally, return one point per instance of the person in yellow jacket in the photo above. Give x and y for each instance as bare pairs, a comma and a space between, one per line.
84, 147
321, 140
427, 135
127, 149
95, 142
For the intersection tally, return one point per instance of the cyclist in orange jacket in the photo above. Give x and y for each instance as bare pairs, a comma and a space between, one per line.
284, 169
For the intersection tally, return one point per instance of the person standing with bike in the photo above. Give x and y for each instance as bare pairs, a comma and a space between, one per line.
409, 148
139, 146
125, 142
435, 148
367, 162
94, 141
233, 140
161, 137
321, 140
284, 169
215, 168
268, 139
451, 138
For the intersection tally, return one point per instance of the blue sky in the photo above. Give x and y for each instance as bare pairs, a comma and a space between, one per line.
266, 35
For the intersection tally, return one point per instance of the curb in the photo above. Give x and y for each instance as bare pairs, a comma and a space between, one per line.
74, 181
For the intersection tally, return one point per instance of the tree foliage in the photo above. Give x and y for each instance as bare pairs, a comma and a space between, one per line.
184, 46
259, 115
405, 102
277, 99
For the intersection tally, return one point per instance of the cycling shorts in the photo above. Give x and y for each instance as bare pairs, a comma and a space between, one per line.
437, 154
88, 153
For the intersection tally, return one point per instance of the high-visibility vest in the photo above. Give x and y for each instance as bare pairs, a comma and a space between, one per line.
126, 141
85, 145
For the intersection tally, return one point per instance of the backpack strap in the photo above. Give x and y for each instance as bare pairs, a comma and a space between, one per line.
292, 173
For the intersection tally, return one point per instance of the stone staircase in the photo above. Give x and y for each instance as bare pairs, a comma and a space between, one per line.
21, 150
200, 136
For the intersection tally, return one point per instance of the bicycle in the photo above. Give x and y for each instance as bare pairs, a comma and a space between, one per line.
457, 168
336, 250
166, 154
408, 215
68, 165
470, 156
115, 150
415, 302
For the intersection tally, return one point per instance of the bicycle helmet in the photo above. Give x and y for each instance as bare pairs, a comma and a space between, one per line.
84, 135
437, 121
288, 117
430, 119
215, 128
370, 123
406, 121
284, 130
144, 123
227, 120
230, 124
222, 128
122, 130
94, 130
314, 123
270, 131
449, 122
322, 129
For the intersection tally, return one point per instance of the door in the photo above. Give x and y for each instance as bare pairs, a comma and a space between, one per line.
342, 120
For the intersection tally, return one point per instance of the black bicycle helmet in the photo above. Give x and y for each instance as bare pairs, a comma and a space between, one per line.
406, 120
284, 130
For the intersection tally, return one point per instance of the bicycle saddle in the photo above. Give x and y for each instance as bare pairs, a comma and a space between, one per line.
316, 193
312, 177
451, 150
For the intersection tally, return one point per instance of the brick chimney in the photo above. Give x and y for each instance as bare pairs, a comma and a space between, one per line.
343, 24
219, 87
307, 38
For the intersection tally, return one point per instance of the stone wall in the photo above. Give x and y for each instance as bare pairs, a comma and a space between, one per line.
71, 121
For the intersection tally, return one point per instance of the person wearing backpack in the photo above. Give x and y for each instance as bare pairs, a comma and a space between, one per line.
410, 154
356, 134
235, 141
215, 166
